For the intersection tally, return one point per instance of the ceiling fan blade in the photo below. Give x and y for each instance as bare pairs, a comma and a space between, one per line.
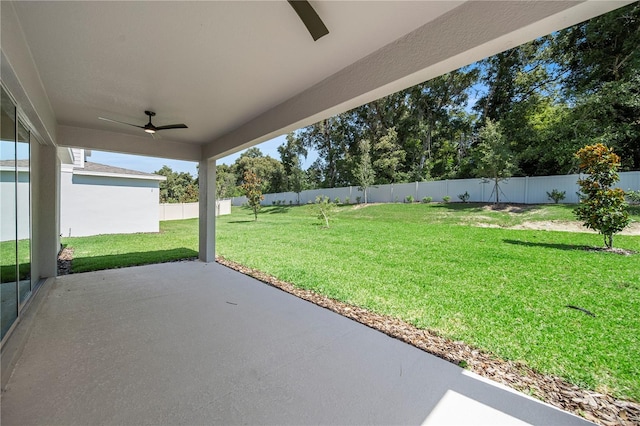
120, 122
310, 18
172, 126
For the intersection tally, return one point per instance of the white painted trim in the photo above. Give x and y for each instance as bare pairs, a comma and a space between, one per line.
117, 175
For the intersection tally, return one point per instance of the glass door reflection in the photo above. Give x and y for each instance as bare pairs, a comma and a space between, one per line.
8, 228
23, 209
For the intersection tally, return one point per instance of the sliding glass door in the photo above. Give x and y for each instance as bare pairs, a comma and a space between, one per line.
15, 214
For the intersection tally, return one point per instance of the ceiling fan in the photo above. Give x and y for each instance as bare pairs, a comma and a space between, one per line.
310, 18
149, 127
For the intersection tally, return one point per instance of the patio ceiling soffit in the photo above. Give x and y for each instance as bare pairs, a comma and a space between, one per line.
467, 34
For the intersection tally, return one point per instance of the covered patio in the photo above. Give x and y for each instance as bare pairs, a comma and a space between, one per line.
195, 342
198, 343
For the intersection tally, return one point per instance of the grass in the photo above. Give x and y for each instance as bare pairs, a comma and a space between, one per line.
501, 290
177, 240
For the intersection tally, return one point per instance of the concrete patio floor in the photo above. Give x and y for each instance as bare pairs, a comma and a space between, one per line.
198, 343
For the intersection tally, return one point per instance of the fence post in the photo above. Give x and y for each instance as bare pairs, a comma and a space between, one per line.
526, 189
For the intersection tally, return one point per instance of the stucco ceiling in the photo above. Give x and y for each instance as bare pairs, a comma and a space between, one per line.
220, 66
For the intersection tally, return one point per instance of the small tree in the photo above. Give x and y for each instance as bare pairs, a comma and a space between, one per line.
363, 172
494, 159
601, 208
252, 187
324, 208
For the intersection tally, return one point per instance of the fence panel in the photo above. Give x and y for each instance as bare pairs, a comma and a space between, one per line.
521, 190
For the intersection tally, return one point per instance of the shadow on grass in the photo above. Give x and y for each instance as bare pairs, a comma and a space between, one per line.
242, 221
278, 209
124, 260
545, 245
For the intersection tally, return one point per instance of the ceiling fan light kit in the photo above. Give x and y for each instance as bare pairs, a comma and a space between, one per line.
149, 127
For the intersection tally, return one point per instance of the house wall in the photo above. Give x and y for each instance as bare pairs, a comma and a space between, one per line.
93, 205
7, 204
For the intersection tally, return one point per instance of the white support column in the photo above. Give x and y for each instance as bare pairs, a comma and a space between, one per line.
207, 217
47, 212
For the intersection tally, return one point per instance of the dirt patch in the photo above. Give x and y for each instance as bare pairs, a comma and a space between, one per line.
570, 226
363, 205
594, 406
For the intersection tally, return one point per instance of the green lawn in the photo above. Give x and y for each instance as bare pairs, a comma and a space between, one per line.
498, 289
177, 239
501, 290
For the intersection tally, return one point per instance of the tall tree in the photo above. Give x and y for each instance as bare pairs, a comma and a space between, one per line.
180, 187
291, 153
431, 104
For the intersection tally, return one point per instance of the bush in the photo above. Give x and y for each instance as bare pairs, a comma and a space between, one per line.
347, 200
633, 196
446, 199
556, 195
409, 199
464, 197
601, 208
358, 200
427, 200
290, 202
337, 200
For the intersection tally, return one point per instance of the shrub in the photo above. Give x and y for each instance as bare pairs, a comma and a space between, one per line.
633, 196
446, 199
337, 200
556, 195
601, 208
347, 200
273, 203
358, 200
464, 197
290, 202
409, 199
427, 200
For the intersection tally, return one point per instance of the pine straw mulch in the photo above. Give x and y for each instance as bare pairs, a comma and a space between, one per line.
596, 407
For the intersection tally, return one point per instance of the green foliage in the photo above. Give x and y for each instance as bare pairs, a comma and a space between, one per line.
337, 200
464, 197
409, 199
179, 187
493, 156
358, 200
364, 173
252, 190
556, 195
446, 199
347, 200
427, 200
601, 208
633, 196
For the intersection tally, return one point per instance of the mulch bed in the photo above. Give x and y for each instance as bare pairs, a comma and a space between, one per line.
597, 407
65, 257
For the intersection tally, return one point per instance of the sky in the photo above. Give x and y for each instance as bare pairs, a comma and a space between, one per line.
151, 164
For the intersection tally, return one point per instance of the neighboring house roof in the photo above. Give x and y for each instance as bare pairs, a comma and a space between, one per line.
97, 169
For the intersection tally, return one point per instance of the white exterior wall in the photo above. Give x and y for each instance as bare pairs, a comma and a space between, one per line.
8, 204
93, 205
517, 190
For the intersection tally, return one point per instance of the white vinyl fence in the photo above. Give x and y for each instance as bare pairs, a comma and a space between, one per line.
518, 190
176, 211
